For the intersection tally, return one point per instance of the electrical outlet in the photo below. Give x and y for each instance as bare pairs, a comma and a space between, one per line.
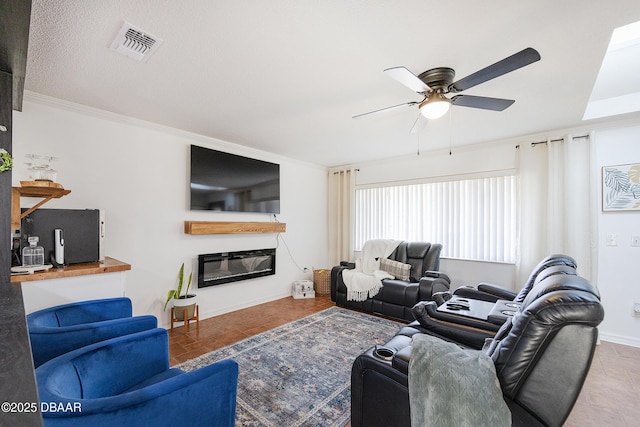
635, 241
612, 240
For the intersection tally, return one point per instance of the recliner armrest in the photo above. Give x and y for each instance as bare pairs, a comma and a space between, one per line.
441, 297
336, 277
427, 311
438, 274
497, 290
350, 265
430, 285
368, 362
485, 292
376, 387
401, 359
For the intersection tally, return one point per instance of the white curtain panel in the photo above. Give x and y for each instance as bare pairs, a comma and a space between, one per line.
341, 195
557, 199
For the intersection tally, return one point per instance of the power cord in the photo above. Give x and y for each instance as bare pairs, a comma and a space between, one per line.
280, 237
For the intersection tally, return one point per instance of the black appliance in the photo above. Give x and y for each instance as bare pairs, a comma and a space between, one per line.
83, 232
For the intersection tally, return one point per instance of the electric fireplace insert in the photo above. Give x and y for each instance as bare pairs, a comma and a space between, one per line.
226, 267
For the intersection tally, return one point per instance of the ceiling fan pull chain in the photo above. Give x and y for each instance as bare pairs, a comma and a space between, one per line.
450, 131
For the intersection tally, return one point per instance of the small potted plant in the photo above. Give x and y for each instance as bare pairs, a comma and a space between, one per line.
182, 302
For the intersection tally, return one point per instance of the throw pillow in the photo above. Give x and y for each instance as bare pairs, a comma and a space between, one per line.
399, 270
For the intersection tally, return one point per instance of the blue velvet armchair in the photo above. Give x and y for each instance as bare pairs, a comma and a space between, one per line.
58, 330
127, 381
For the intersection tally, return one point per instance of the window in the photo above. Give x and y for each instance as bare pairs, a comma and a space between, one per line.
472, 218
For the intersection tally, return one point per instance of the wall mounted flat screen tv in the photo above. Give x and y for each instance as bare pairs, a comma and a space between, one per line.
228, 182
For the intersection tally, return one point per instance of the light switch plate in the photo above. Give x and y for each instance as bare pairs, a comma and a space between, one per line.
635, 241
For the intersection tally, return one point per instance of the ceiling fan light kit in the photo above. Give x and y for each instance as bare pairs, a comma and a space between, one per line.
435, 83
435, 106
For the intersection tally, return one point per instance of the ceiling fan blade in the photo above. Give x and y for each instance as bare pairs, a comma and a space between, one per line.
511, 63
495, 104
407, 78
387, 109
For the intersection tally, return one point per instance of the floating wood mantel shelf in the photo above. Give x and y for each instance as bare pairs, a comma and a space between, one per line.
217, 227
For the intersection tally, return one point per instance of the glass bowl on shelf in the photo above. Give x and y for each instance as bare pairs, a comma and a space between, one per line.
39, 168
39, 173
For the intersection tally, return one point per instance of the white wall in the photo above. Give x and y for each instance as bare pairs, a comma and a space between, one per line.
618, 273
466, 272
466, 160
139, 174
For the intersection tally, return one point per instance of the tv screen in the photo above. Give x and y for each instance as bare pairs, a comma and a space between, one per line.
227, 182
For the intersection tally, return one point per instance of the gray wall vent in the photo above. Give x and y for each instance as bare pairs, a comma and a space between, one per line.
135, 43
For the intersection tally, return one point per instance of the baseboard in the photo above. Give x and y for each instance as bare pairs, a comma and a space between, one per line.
620, 339
229, 309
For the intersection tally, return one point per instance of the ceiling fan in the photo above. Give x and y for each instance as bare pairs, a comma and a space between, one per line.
435, 83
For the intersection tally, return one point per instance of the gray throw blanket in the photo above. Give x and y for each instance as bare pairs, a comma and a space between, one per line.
450, 386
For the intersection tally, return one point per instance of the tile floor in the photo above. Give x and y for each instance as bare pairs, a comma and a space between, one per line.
610, 396
611, 393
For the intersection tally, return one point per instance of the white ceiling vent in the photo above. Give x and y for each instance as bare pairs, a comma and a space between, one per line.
135, 43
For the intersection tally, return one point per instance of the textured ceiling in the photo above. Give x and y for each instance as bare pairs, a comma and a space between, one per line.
286, 76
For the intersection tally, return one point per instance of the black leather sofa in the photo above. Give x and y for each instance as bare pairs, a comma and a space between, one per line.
397, 297
541, 356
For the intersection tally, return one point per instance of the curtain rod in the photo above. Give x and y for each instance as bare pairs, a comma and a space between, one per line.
533, 144
348, 170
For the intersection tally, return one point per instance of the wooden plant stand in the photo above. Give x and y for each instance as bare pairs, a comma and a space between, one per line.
185, 321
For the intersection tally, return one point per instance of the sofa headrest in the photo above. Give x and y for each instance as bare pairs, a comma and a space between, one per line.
417, 249
558, 282
549, 261
567, 306
407, 250
556, 269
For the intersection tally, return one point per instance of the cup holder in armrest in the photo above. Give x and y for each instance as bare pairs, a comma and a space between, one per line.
383, 353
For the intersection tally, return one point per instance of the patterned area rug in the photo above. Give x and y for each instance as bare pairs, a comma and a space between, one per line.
299, 374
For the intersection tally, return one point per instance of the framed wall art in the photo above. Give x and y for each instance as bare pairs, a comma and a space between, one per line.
621, 187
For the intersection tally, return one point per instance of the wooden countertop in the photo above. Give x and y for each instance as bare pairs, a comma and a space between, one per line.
110, 265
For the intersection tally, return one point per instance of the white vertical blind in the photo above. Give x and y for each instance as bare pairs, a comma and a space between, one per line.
472, 218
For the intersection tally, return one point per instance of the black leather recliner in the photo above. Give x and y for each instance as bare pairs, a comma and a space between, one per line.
397, 297
470, 321
541, 355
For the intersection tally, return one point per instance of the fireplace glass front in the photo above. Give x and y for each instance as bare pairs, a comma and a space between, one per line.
225, 267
